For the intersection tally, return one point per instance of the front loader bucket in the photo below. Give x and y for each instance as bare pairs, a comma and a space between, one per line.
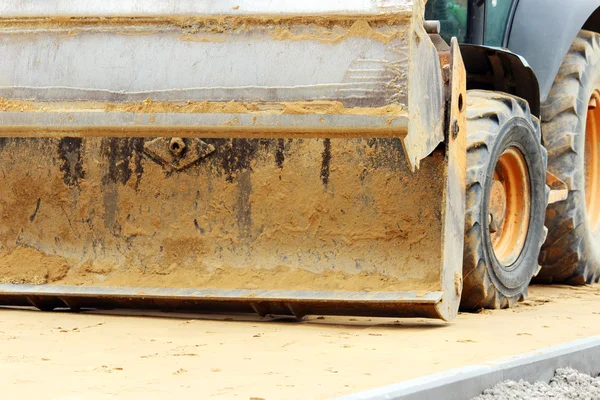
165, 161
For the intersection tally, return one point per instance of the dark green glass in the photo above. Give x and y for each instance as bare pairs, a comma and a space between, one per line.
452, 15
496, 17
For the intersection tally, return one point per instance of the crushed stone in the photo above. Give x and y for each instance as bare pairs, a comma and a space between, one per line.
566, 384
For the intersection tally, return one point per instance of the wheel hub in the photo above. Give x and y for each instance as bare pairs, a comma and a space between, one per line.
592, 164
509, 206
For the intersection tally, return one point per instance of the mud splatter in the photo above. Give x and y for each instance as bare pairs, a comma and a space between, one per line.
279, 154
118, 153
37, 208
69, 150
244, 209
138, 147
235, 155
326, 161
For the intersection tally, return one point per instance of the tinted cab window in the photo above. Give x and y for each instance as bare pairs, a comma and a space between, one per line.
452, 15
496, 17
471, 21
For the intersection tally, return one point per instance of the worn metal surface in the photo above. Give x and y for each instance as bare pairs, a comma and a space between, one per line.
285, 68
157, 8
263, 302
275, 175
97, 123
454, 201
319, 215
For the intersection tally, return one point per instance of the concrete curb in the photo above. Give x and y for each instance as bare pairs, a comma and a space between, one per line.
470, 381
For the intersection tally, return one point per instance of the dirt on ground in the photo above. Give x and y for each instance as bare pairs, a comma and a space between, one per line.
64, 355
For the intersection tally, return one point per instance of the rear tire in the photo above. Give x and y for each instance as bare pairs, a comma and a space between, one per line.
571, 253
506, 194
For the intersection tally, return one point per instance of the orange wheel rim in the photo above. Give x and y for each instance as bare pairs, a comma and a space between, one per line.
509, 206
592, 163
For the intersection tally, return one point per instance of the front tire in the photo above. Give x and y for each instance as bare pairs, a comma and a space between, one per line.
506, 200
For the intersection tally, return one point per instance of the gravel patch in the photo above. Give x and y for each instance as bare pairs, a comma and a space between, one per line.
567, 384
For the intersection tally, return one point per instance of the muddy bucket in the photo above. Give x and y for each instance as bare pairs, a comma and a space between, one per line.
161, 161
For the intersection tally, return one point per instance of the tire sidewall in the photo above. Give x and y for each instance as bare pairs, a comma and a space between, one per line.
519, 133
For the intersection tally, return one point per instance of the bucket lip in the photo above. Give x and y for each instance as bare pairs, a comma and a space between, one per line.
262, 302
175, 8
432, 297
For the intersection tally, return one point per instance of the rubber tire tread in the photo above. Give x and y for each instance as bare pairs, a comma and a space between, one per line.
569, 254
487, 113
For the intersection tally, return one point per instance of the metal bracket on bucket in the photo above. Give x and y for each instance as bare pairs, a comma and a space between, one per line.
178, 153
454, 206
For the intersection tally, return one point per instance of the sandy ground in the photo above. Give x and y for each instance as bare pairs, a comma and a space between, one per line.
64, 355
